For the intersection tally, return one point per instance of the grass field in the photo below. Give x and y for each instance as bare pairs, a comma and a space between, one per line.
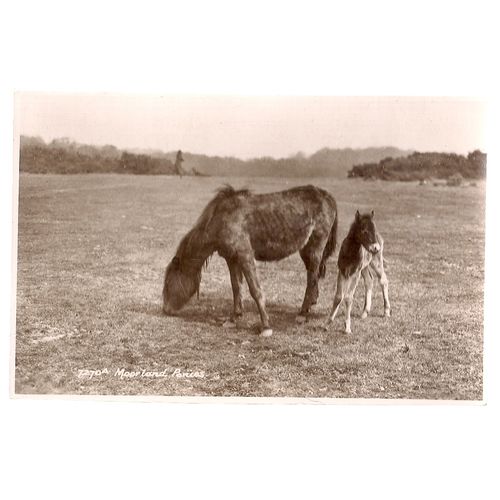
91, 257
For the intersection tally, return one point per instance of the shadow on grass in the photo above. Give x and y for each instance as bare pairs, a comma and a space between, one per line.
212, 310
148, 308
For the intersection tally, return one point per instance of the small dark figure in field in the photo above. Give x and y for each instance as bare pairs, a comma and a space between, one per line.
243, 227
361, 254
178, 164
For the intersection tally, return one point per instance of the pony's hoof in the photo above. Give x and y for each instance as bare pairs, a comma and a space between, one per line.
364, 315
387, 313
300, 319
348, 331
229, 324
267, 332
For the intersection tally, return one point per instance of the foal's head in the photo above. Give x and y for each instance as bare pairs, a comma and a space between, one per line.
181, 283
365, 233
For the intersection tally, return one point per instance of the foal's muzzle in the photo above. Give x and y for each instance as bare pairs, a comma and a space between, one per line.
374, 248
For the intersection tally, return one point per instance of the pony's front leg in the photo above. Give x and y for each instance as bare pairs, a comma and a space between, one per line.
250, 273
236, 282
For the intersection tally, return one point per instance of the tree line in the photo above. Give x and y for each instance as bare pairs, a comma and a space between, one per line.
62, 156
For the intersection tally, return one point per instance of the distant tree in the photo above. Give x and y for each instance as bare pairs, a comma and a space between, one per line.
109, 151
62, 142
299, 155
478, 161
31, 141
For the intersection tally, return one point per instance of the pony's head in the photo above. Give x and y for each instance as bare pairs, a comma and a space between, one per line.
181, 283
365, 232
183, 273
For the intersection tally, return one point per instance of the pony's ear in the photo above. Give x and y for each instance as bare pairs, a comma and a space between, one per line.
176, 262
373, 213
357, 216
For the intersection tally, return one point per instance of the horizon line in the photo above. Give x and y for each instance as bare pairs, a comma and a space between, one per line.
291, 155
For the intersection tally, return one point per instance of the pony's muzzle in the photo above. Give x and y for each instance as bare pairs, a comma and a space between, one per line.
374, 248
168, 310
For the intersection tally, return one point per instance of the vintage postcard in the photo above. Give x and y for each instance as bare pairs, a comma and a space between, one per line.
296, 248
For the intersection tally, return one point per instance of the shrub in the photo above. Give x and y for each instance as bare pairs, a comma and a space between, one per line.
421, 166
455, 180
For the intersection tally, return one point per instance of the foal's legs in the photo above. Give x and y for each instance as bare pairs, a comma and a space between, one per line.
250, 272
368, 280
377, 265
236, 282
349, 297
345, 291
342, 284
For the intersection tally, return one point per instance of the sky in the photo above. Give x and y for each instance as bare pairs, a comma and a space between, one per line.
248, 127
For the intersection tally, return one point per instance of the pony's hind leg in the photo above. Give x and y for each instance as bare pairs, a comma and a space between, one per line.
311, 256
368, 280
311, 295
250, 272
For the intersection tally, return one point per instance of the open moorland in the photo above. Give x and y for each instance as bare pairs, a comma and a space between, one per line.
91, 257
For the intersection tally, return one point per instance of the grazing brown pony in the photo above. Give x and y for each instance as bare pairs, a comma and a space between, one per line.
243, 227
361, 254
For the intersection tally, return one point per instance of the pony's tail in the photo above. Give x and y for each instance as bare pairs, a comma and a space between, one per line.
329, 248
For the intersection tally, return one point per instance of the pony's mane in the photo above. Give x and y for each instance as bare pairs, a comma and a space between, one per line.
196, 236
223, 193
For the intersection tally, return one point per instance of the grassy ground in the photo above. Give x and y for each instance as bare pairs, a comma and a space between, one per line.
91, 258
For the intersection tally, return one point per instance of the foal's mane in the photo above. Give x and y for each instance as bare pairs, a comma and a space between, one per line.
356, 222
196, 237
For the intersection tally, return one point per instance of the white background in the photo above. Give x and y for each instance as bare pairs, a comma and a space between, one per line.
86, 449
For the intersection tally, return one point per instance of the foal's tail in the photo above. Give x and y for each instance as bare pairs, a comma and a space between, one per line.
329, 248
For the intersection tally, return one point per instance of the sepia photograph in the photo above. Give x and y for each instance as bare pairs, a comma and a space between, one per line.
249, 250
315, 248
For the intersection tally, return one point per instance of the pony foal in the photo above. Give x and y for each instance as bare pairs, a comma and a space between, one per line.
242, 227
361, 254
